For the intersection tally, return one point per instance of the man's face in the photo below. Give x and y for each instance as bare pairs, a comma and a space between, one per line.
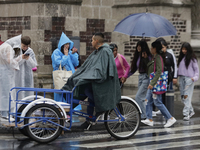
94, 42
24, 47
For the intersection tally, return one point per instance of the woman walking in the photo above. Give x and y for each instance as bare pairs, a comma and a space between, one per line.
188, 73
140, 63
170, 66
152, 98
121, 64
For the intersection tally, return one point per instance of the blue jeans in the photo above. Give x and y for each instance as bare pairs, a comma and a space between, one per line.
157, 101
170, 85
89, 94
141, 93
186, 88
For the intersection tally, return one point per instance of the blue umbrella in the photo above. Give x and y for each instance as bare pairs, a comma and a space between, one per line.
145, 25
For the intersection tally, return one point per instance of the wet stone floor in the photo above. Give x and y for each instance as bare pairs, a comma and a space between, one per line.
184, 135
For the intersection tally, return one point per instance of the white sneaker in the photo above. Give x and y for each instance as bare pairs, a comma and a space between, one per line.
186, 118
191, 114
153, 113
147, 122
158, 112
170, 122
12, 119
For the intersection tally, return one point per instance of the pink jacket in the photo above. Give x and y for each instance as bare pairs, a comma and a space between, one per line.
122, 66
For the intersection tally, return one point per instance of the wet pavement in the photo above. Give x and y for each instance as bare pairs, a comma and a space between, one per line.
183, 135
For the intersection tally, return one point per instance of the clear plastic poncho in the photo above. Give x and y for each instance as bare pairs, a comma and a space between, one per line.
24, 76
8, 65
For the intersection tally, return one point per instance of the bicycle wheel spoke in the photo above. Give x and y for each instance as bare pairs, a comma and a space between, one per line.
47, 128
126, 127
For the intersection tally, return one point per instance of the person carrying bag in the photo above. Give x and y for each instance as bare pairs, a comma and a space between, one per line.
60, 77
161, 86
64, 61
156, 66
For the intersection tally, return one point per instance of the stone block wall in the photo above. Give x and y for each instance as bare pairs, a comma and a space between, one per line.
176, 41
58, 26
93, 26
15, 25
44, 23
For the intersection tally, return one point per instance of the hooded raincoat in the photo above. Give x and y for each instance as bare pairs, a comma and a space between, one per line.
8, 65
24, 76
68, 62
100, 70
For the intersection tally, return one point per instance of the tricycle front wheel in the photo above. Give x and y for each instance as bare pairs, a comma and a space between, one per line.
43, 121
123, 129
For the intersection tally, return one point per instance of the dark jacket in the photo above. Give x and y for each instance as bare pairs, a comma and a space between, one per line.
100, 70
169, 66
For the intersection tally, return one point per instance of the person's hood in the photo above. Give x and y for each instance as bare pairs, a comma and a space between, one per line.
64, 40
15, 42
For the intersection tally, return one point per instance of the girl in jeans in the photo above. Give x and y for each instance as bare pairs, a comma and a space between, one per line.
170, 66
152, 98
140, 63
188, 72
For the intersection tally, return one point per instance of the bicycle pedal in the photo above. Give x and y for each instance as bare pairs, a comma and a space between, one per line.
89, 126
98, 118
92, 123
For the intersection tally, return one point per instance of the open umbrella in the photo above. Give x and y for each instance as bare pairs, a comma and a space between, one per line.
145, 25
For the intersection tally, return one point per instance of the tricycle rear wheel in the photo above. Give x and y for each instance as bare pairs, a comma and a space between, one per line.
43, 120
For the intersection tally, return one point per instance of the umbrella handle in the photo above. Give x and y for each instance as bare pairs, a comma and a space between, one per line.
143, 35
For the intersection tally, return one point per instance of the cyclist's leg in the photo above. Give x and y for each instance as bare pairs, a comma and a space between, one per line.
89, 94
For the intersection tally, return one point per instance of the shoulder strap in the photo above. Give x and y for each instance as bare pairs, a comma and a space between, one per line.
60, 68
120, 60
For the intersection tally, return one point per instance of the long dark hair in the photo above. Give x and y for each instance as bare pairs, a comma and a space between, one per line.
158, 46
144, 48
188, 56
112, 46
162, 41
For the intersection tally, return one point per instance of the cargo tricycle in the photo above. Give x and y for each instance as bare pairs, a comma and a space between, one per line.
43, 119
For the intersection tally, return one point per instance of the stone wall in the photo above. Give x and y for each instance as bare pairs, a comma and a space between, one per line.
195, 15
44, 22
15, 25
